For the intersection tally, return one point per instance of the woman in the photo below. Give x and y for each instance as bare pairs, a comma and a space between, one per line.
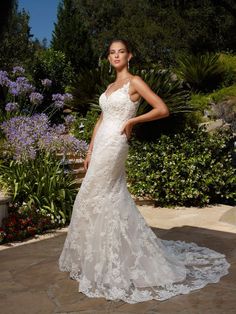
109, 248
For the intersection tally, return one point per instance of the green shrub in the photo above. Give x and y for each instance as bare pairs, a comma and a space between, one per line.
192, 168
202, 72
40, 183
52, 64
229, 62
84, 126
201, 101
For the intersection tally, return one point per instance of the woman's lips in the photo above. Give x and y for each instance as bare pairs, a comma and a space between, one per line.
117, 61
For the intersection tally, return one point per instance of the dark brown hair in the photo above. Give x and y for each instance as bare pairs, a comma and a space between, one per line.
123, 41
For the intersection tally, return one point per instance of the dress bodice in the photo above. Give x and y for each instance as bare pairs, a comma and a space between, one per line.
118, 106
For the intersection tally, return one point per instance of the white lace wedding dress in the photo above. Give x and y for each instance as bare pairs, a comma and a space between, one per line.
109, 247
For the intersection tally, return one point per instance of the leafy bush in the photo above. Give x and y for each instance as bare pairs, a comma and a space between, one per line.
31, 170
202, 72
202, 101
192, 168
40, 183
229, 62
83, 127
53, 65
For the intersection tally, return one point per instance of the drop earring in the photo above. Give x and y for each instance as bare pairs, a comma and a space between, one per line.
110, 69
128, 64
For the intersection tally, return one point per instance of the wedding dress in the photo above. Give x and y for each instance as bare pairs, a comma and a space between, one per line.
109, 247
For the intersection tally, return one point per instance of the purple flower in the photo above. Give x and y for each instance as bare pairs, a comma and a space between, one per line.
46, 82
23, 85
13, 89
60, 129
4, 80
57, 97
59, 104
18, 69
28, 136
70, 119
36, 98
11, 106
68, 97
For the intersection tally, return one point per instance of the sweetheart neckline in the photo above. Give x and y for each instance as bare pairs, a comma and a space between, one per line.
118, 89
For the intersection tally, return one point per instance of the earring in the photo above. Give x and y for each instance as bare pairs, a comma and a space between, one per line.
99, 61
110, 69
128, 64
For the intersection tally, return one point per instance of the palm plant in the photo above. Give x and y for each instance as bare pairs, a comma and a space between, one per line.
87, 87
91, 83
202, 72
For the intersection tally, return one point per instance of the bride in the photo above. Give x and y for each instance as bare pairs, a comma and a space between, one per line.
109, 249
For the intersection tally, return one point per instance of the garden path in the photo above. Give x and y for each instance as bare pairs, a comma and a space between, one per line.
31, 282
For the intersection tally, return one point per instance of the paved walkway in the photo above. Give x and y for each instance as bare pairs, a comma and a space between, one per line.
32, 283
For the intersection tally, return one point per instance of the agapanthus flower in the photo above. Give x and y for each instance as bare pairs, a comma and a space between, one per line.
18, 70
26, 136
46, 82
23, 85
59, 104
57, 97
36, 98
60, 129
68, 97
11, 106
4, 80
69, 120
13, 89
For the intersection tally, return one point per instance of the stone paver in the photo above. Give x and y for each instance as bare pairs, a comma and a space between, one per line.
32, 283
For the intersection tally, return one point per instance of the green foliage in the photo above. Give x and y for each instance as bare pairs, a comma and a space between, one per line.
87, 86
202, 72
40, 183
202, 101
192, 168
83, 128
53, 65
170, 27
16, 46
71, 37
229, 62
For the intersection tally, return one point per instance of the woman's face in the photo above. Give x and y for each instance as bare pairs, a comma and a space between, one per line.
118, 55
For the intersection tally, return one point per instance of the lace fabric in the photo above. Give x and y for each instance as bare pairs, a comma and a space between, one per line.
109, 247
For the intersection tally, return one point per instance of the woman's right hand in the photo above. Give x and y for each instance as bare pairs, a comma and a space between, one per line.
87, 161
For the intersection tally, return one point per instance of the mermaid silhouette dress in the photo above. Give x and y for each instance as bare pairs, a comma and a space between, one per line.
109, 247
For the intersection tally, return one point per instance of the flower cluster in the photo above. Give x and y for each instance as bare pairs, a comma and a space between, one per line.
36, 98
23, 224
11, 106
18, 87
46, 82
69, 120
26, 136
18, 70
4, 80
61, 99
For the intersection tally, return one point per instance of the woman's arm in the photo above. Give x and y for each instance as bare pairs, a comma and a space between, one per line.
160, 109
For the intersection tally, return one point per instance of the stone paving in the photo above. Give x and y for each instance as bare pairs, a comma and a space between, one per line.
32, 283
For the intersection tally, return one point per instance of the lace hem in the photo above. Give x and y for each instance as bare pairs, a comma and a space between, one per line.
203, 266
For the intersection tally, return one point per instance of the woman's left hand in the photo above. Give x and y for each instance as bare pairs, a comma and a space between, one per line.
127, 128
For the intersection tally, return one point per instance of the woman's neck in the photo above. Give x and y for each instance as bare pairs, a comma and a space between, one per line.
121, 76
